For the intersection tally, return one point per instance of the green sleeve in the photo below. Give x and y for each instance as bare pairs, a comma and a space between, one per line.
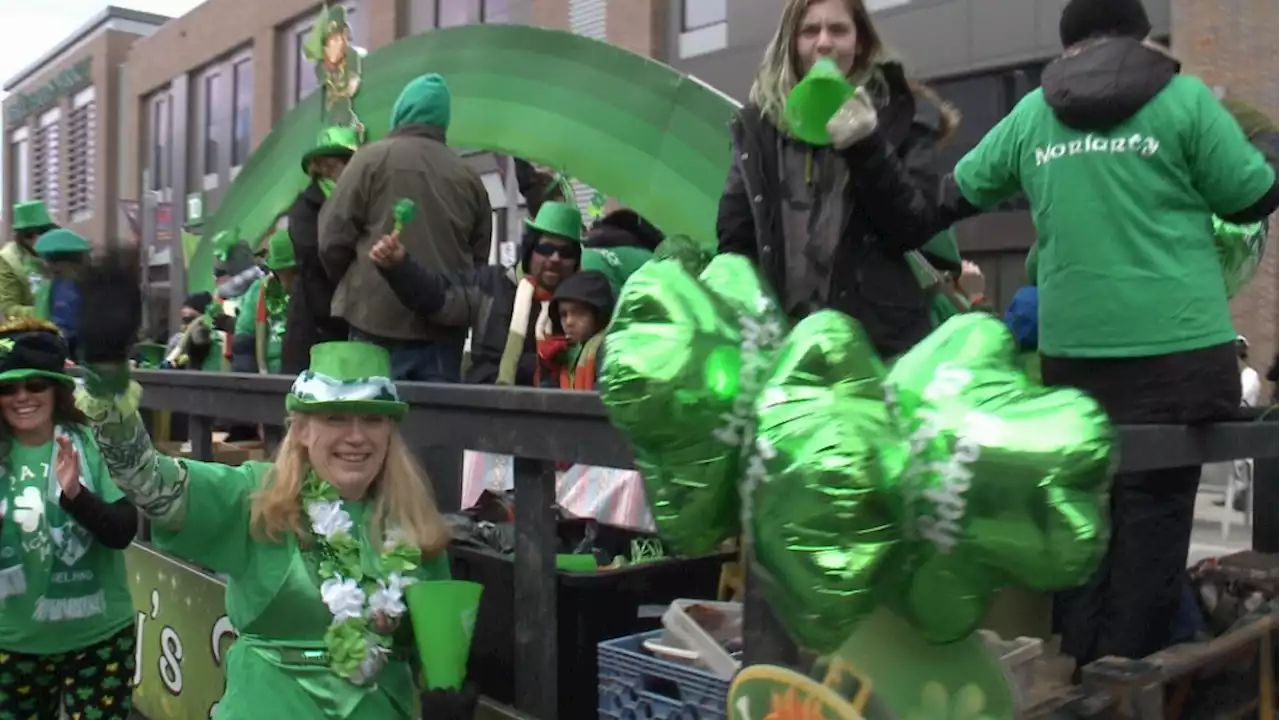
1227, 170
215, 532
15, 293
990, 173
103, 485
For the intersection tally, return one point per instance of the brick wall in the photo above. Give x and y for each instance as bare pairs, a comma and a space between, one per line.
1233, 44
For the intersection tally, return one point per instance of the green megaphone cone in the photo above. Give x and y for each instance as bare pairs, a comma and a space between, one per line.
814, 101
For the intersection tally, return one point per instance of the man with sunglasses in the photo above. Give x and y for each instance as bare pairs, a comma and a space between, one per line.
508, 310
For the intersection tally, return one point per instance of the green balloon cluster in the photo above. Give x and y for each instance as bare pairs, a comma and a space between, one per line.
922, 488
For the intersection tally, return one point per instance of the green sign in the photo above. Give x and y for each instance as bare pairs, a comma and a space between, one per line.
183, 637
64, 83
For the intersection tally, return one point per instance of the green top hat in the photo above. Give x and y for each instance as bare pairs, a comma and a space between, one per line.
815, 100
33, 348
347, 377
60, 241
332, 142
280, 251
559, 219
31, 215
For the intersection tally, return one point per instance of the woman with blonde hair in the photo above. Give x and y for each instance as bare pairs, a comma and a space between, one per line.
820, 221
317, 547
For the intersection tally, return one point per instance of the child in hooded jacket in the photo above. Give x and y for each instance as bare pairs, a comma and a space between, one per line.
580, 311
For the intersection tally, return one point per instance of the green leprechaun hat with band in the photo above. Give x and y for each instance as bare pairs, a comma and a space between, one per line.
332, 142
347, 377
280, 251
558, 219
32, 215
33, 348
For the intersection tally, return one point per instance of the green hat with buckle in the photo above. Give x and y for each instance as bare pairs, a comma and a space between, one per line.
332, 142
280, 251
32, 215
347, 377
559, 219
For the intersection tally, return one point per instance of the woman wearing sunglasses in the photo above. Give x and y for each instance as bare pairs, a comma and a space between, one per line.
66, 618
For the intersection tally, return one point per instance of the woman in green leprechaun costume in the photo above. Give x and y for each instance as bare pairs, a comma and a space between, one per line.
317, 546
24, 277
66, 618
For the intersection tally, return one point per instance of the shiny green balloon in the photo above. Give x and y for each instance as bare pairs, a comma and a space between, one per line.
1006, 483
1240, 251
684, 360
820, 524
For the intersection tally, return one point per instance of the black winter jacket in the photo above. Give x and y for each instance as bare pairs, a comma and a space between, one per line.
309, 320
889, 181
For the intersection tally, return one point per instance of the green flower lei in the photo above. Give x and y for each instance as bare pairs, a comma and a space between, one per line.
351, 641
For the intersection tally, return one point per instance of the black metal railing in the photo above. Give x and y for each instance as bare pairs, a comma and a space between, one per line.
546, 426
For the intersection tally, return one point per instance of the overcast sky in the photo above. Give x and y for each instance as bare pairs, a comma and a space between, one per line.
35, 26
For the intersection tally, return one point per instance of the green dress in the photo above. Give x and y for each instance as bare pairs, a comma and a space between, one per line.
278, 666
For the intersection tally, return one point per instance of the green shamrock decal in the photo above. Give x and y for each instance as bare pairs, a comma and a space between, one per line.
92, 713
88, 672
84, 693
104, 652
110, 682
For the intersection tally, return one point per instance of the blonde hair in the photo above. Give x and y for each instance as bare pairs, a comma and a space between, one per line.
402, 496
780, 67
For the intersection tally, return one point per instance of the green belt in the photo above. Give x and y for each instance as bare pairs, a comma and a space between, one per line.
305, 656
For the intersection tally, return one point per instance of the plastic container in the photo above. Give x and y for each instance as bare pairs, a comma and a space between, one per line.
1018, 656
697, 643
592, 607
636, 685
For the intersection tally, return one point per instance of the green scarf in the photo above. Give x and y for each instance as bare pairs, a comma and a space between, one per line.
40, 541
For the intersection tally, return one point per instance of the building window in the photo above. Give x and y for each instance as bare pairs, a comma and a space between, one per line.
47, 162
20, 164
452, 13
699, 14
82, 138
304, 70
704, 27
215, 103
495, 11
242, 111
160, 133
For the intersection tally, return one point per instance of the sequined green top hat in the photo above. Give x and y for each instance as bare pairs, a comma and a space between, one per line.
32, 215
332, 142
559, 219
280, 251
347, 377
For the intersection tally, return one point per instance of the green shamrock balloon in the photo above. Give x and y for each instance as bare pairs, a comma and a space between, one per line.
821, 523
1240, 251
1006, 483
686, 358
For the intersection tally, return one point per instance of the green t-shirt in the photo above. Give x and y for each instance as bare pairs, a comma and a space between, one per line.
248, 305
75, 591
273, 601
1124, 218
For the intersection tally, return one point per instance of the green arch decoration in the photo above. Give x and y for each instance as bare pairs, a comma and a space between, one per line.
629, 126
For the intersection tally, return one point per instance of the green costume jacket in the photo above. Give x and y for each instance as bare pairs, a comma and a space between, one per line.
278, 667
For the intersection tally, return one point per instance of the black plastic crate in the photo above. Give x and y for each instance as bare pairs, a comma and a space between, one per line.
592, 607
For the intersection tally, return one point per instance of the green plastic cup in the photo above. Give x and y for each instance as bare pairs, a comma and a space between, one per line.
815, 100
444, 619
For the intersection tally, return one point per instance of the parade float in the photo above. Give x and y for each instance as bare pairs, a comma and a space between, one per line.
895, 605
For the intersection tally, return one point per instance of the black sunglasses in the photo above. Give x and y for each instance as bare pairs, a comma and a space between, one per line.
32, 385
567, 252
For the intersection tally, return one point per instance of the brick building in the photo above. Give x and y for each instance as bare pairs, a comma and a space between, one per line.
61, 124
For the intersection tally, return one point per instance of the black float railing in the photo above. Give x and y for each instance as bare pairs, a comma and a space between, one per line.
541, 427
